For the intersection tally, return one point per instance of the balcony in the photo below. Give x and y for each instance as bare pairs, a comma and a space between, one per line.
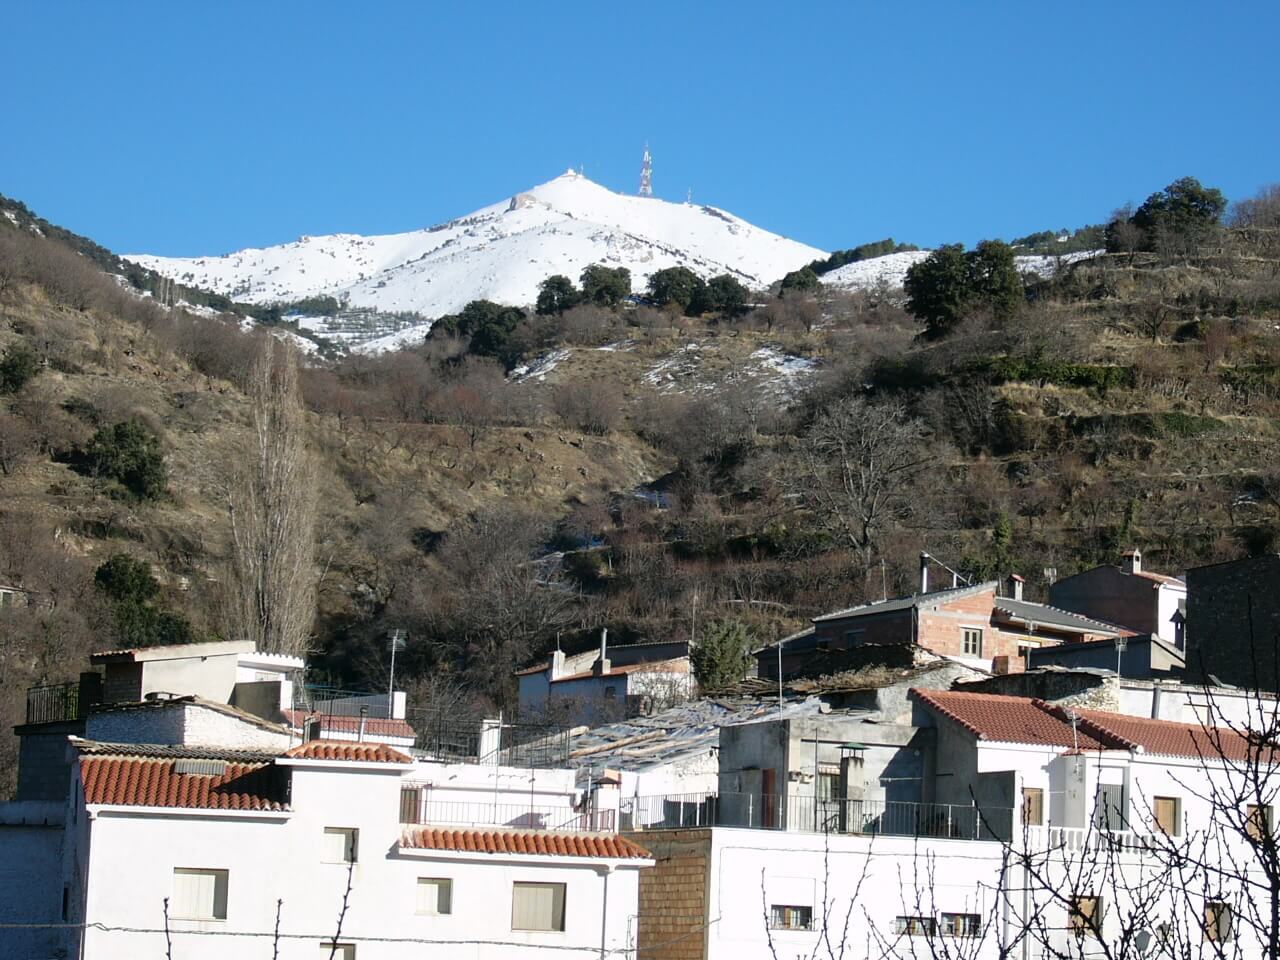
803, 814
56, 703
416, 807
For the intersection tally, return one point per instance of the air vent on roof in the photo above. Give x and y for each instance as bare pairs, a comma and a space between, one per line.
201, 768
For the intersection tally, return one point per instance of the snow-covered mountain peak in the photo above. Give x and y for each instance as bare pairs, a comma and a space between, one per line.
500, 252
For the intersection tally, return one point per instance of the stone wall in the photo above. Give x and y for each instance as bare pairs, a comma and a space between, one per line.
674, 895
1087, 689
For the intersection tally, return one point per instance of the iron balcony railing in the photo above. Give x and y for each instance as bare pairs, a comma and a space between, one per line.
816, 815
474, 740
416, 807
54, 703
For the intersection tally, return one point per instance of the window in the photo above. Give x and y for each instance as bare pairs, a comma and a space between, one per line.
853, 638
610, 693
962, 924
971, 641
537, 906
782, 917
339, 951
1218, 918
435, 896
1084, 916
1109, 808
1168, 815
1032, 806
199, 894
340, 845
410, 804
1259, 821
6, 599
828, 784
915, 926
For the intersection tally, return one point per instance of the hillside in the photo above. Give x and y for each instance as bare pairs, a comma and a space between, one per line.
500, 253
638, 465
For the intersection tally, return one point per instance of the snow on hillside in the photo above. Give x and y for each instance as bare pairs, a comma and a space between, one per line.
891, 270
500, 253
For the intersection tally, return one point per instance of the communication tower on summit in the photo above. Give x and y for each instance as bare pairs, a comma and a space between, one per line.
646, 174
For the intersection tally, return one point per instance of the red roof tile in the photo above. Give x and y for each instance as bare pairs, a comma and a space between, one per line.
340, 750
547, 843
152, 782
1031, 721
1005, 719
374, 726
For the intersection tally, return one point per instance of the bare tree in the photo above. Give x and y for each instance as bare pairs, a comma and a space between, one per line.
272, 507
855, 469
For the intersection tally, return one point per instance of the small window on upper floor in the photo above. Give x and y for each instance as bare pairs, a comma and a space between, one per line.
435, 896
537, 906
971, 641
1259, 821
785, 917
341, 845
1167, 813
962, 924
337, 951
1033, 806
199, 894
1084, 916
915, 926
1219, 921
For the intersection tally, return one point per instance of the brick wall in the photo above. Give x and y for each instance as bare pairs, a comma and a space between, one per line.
673, 895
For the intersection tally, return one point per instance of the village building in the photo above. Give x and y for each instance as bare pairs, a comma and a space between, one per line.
1145, 602
1233, 622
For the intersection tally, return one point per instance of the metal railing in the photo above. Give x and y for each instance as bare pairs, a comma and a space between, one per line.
816, 815
332, 702
53, 703
416, 807
475, 740
1093, 840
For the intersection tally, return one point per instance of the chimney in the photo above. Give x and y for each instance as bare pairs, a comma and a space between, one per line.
364, 716
557, 665
602, 664
1132, 562
1013, 586
1001, 665
924, 572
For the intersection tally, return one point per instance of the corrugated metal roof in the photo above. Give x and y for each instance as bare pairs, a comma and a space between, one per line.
906, 603
1041, 613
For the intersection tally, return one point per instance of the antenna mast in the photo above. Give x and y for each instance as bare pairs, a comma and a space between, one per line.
646, 174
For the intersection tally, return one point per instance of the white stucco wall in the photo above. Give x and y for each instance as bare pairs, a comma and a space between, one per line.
184, 723
278, 858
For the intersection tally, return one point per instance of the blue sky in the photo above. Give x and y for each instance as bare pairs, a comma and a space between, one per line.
184, 128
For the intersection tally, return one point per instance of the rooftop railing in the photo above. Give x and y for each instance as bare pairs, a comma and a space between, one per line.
816, 815
54, 703
416, 807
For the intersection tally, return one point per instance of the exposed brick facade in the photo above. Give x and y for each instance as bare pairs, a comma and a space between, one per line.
674, 895
1233, 621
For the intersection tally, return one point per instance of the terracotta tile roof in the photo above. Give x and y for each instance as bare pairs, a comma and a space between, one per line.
1033, 721
342, 750
374, 726
134, 781
1005, 719
547, 843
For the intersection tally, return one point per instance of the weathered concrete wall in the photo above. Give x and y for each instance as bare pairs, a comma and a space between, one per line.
1233, 621
673, 895
31, 878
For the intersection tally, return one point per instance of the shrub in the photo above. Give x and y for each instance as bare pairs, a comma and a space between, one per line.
126, 580
17, 368
128, 453
130, 587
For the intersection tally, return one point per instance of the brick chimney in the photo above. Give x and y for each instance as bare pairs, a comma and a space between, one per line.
1013, 586
1132, 562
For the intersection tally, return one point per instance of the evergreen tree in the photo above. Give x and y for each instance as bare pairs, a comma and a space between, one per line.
801, 280
938, 289
994, 279
678, 285
128, 453
556, 294
130, 587
721, 294
721, 655
605, 286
